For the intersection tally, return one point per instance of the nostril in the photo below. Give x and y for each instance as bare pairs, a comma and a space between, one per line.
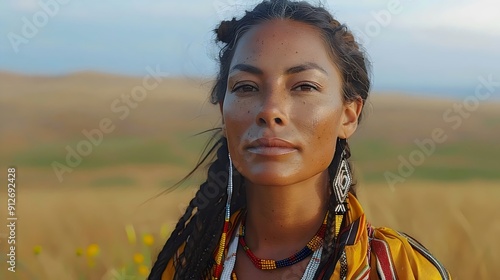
263, 121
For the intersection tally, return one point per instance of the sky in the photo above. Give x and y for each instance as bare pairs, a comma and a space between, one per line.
435, 47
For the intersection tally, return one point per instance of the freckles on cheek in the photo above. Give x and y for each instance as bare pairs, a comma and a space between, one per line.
324, 127
235, 112
239, 115
314, 123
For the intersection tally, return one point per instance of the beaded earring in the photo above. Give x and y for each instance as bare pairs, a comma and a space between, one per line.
222, 243
341, 185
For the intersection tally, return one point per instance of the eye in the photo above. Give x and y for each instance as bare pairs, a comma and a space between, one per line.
244, 88
306, 87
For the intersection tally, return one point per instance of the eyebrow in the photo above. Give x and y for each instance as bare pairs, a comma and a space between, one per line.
247, 68
304, 67
293, 70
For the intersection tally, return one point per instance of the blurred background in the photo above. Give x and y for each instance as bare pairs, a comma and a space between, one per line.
99, 102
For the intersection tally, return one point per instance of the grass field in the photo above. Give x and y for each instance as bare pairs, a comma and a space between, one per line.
74, 226
456, 221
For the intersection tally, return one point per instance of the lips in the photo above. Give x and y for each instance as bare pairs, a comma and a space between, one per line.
271, 146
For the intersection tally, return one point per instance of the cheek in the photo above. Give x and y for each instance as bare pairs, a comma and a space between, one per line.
324, 128
238, 117
233, 107
322, 124
327, 127
236, 113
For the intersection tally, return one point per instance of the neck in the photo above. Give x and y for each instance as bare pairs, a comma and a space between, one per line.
282, 219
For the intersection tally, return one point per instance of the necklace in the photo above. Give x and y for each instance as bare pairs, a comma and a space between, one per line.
266, 264
228, 272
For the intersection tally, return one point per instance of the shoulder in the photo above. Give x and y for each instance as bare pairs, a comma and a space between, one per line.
396, 253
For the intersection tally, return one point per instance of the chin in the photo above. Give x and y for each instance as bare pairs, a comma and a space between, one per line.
269, 176
271, 182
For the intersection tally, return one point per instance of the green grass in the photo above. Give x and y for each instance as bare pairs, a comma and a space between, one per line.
113, 181
456, 173
492, 122
459, 160
371, 150
449, 162
190, 181
112, 151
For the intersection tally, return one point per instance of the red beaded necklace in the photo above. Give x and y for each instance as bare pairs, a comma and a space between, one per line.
266, 264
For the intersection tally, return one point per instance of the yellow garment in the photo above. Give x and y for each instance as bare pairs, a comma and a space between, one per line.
408, 261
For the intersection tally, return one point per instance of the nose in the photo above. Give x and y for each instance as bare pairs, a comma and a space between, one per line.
272, 111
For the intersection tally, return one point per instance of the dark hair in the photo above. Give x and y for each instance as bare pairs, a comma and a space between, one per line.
201, 225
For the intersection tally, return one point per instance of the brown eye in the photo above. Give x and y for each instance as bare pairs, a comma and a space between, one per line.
244, 88
306, 87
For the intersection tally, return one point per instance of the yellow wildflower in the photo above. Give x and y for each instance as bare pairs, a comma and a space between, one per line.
93, 250
79, 251
143, 270
148, 239
138, 258
37, 249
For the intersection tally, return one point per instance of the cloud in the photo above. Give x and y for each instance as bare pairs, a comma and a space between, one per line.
429, 43
480, 16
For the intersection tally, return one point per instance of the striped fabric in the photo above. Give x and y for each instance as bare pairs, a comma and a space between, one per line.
385, 267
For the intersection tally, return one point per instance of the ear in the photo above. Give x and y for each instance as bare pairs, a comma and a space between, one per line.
350, 115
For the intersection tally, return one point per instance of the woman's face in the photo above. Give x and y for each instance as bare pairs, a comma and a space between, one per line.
283, 109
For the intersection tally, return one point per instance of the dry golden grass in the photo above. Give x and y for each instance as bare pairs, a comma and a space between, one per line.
457, 222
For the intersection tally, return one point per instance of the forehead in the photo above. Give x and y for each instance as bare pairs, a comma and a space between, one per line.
283, 42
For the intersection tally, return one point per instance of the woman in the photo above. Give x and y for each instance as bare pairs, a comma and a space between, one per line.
279, 202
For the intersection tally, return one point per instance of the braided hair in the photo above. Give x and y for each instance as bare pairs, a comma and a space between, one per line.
202, 222
200, 228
